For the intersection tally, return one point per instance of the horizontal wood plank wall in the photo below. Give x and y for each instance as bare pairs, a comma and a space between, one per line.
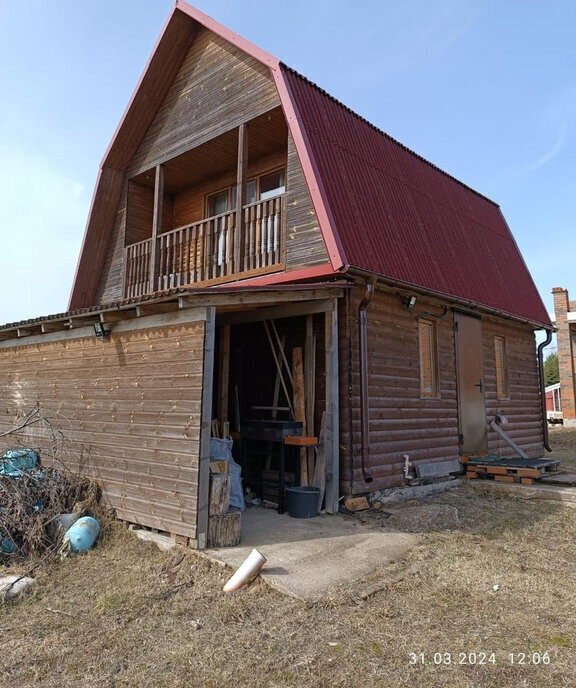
401, 422
129, 409
522, 407
304, 243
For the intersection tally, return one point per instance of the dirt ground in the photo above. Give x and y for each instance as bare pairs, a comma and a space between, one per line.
486, 600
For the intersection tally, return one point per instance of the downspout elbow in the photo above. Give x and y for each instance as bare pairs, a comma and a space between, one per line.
363, 358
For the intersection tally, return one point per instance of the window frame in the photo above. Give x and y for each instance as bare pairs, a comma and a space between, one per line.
230, 189
429, 384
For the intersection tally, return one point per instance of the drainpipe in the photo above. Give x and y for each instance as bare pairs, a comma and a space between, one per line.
541, 348
363, 354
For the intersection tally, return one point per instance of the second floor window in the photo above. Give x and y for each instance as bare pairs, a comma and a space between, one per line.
257, 189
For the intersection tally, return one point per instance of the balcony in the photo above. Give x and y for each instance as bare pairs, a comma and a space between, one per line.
213, 213
210, 250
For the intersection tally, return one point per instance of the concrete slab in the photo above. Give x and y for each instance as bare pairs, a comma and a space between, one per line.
307, 558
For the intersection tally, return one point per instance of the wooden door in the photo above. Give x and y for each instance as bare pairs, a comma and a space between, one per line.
470, 384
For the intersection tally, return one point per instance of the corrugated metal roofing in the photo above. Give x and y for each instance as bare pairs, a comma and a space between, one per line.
399, 216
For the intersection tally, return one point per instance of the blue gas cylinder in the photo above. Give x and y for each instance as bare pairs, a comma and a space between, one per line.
83, 534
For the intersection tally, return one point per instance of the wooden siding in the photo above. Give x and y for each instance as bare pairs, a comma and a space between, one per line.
522, 408
400, 421
129, 408
304, 242
216, 89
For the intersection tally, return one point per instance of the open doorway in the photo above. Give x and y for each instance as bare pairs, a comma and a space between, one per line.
269, 385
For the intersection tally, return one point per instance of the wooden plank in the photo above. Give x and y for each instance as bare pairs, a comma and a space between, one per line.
310, 387
204, 463
438, 468
219, 467
320, 467
332, 442
504, 478
304, 441
496, 470
240, 192
223, 374
356, 504
156, 225
299, 406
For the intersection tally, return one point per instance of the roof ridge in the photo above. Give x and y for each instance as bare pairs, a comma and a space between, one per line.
383, 133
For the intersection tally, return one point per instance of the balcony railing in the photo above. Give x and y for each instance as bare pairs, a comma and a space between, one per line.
208, 250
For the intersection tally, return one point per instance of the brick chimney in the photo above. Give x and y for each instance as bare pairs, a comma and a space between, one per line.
566, 363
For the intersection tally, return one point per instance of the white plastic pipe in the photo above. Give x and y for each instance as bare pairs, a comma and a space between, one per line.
246, 571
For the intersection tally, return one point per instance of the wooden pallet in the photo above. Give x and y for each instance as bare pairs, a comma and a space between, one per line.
524, 472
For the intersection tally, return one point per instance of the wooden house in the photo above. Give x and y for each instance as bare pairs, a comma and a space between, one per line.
239, 206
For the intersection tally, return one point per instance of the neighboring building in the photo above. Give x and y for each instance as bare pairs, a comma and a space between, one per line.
554, 403
565, 315
235, 193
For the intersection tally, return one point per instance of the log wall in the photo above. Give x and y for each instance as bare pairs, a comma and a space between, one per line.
129, 409
400, 421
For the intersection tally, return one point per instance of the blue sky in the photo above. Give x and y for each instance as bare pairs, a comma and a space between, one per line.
484, 89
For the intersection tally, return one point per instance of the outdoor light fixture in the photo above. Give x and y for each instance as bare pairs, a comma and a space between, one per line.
100, 330
410, 302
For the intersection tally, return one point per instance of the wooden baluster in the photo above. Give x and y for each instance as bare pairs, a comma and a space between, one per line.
194, 252
186, 252
253, 237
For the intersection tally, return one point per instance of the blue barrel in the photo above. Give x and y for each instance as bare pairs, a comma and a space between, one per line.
83, 534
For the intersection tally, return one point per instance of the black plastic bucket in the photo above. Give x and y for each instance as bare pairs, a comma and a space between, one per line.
303, 501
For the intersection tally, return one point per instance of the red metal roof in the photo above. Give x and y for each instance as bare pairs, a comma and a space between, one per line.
397, 215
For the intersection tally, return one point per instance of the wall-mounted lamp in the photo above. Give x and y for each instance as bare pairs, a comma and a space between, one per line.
100, 330
410, 302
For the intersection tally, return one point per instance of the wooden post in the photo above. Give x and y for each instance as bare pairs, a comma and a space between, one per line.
223, 374
331, 440
156, 226
300, 407
240, 194
310, 386
204, 458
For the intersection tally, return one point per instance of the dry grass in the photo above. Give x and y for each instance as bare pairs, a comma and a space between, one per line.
563, 445
126, 614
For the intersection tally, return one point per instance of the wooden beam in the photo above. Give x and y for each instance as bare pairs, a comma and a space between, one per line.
204, 459
289, 310
256, 297
223, 374
155, 308
310, 386
52, 326
240, 192
332, 439
156, 225
300, 407
116, 316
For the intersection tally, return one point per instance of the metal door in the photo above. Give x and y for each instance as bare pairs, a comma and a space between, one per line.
470, 384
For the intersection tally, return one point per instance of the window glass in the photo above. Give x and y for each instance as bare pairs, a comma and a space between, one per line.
272, 184
428, 358
218, 203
